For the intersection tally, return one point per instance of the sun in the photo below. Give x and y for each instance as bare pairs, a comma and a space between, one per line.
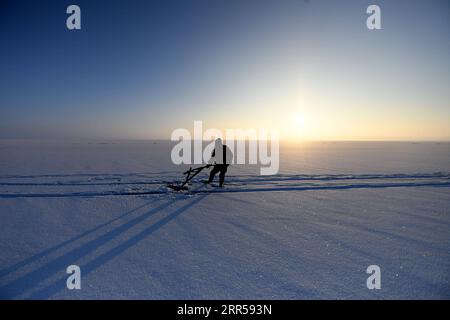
295, 127
300, 120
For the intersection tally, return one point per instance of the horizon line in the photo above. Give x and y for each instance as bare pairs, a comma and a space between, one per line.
74, 139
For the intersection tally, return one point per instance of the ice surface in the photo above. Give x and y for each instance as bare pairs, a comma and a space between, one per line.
309, 232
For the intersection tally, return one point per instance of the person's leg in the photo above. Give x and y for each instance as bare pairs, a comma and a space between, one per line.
213, 172
223, 170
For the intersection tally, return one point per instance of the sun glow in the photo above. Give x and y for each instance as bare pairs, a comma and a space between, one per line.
300, 120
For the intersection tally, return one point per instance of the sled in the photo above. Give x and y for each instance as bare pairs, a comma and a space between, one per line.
190, 174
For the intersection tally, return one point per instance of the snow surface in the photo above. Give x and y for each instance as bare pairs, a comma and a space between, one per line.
308, 233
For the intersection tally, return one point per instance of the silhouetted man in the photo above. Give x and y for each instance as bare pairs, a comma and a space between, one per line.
221, 158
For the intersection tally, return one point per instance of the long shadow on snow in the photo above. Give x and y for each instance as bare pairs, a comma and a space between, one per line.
54, 248
33, 278
91, 266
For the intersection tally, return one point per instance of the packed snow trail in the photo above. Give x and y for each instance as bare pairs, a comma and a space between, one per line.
235, 184
118, 179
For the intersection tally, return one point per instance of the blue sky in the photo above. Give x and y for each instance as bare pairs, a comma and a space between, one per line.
139, 69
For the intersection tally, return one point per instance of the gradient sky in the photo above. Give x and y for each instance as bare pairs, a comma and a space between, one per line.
139, 69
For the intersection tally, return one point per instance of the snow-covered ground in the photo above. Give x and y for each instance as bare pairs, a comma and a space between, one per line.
309, 232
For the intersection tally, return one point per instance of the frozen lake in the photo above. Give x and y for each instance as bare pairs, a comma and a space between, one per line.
309, 232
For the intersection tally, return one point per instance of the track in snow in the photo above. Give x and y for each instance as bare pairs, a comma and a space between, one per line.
234, 184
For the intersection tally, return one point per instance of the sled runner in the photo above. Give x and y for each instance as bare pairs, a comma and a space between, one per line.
190, 174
